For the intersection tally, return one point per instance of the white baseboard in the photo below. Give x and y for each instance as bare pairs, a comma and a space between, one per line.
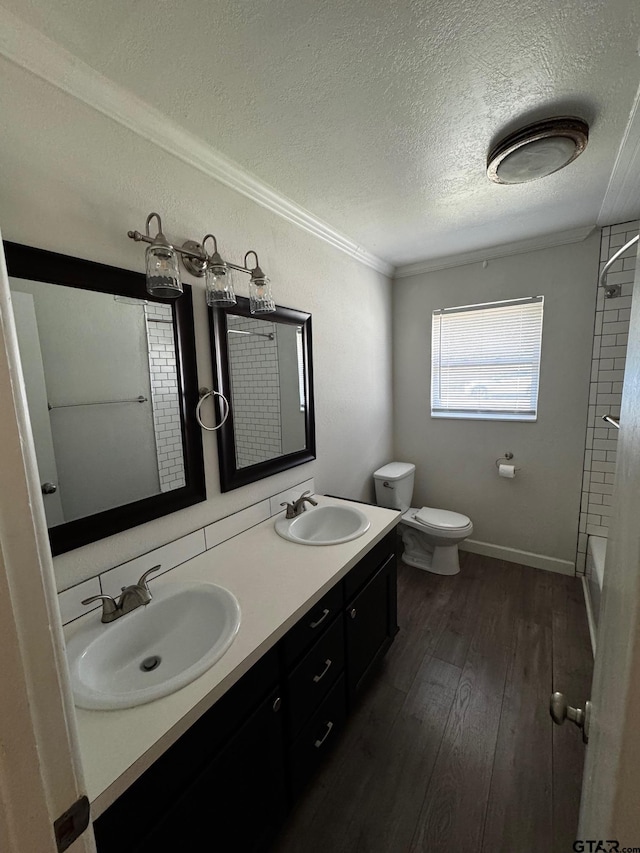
590, 619
525, 558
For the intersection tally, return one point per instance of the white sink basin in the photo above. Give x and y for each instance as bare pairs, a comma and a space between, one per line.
154, 650
324, 525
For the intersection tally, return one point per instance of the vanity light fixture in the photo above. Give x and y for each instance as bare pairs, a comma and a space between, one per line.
163, 277
260, 298
537, 150
218, 282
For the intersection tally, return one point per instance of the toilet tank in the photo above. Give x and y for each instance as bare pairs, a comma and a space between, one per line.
394, 485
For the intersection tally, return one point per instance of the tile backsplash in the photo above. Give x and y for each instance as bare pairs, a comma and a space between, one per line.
173, 553
611, 334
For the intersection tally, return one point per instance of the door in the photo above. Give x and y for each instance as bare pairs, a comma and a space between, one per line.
24, 314
611, 784
40, 772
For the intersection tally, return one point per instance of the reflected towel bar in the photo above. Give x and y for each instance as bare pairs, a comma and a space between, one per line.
269, 335
611, 420
139, 399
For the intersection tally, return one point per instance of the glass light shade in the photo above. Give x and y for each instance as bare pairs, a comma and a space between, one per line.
260, 298
219, 287
163, 275
536, 159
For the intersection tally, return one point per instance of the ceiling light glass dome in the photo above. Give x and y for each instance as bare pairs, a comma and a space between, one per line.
537, 150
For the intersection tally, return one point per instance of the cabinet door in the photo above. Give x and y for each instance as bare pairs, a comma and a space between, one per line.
239, 801
371, 624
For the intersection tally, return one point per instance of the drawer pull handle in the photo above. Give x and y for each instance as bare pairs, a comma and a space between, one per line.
325, 613
317, 678
277, 704
321, 740
353, 613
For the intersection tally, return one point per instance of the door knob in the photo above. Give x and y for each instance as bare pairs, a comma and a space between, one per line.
560, 711
49, 488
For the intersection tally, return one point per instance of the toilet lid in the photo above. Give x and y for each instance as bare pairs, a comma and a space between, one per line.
441, 518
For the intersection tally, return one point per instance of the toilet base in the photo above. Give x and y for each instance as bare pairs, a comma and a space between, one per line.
438, 559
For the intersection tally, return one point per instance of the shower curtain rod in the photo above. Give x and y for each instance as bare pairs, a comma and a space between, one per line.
603, 275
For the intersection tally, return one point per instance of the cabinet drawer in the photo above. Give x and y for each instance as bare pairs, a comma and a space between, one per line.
311, 626
313, 677
317, 737
360, 574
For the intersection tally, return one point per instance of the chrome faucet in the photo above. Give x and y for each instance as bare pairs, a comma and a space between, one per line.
132, 597
297, 507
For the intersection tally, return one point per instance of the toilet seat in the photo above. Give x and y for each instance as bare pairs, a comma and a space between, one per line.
440, 522
441, 518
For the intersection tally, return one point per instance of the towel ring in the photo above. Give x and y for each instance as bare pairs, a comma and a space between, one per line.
204, 393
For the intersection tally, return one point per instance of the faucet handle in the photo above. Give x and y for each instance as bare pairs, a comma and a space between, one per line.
143, 580
291, 509
109, 604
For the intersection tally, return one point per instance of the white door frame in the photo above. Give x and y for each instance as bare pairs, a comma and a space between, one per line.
40, 766
610, 807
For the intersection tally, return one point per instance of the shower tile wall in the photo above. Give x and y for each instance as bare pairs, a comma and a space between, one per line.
165, 397
256, 390
607, 373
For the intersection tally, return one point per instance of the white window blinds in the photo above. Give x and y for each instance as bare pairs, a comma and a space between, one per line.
485, 360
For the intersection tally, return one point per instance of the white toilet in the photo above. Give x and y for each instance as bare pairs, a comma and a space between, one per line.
430, 536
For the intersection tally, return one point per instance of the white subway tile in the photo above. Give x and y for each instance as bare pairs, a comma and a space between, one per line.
225, 528
70, 600
167, 556
597, 530
290, 495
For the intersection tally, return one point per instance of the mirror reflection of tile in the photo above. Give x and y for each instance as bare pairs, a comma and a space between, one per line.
164, 395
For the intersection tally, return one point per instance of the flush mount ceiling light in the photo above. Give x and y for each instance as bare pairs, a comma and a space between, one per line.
163, 275
537, 150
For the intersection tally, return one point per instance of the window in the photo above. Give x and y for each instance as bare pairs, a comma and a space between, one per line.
485, 360
300, 360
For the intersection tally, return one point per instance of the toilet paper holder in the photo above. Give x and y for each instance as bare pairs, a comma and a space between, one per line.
508, 456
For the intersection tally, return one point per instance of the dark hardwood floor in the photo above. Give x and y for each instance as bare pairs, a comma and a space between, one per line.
452, 748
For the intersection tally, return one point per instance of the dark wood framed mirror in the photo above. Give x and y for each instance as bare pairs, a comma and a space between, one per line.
111, 381
264, 367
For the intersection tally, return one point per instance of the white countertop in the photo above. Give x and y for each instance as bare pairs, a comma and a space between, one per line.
276, 582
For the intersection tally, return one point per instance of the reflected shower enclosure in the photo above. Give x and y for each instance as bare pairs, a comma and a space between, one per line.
263, 366
111, 385
102, 389
267, 388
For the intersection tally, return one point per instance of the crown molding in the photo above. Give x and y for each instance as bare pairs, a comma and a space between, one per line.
546, 241
621, 202
33, 51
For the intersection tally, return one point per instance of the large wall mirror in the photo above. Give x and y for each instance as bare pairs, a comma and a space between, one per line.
110, 375
264, 368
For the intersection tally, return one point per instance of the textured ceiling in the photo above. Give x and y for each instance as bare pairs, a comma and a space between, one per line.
376, 115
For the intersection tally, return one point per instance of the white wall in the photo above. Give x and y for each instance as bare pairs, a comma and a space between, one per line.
75, 182
538, 511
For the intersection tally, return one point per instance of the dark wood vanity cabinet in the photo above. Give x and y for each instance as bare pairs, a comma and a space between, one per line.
229, 781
